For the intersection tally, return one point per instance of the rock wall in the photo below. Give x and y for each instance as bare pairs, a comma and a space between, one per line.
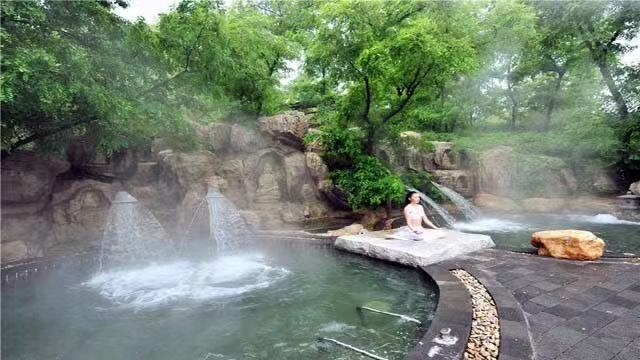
503, 179
54, 206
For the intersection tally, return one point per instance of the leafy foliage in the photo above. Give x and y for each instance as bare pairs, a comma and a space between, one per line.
368, 183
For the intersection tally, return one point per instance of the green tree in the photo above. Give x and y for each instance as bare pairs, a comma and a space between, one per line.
381, 54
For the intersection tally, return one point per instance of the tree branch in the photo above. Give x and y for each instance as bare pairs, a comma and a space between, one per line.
46, 133
410, 90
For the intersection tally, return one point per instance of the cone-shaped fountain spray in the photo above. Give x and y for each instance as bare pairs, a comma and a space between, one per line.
227, 228
132, 234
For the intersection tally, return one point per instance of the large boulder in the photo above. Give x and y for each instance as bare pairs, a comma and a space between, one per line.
79, 211
317, 168
220, 136
568, 244
445, 157
604, 182
592, 205
496, 203
462, 181
295, 167
544, 205
180, 172
25, 236
244, 139
353, 229
504, 172
336, 197
28, 177
288, 128
635, 188
14, 251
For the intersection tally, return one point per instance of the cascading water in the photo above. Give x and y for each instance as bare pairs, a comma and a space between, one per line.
470, 212
132, 234
226, 226
442, 212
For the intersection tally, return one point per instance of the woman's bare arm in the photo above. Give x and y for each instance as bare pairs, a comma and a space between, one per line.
427, 221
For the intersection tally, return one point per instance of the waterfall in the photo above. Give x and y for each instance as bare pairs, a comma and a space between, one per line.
442, 212
467, 208
132, 234
226, 226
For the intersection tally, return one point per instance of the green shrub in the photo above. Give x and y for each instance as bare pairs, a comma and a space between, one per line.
369, 183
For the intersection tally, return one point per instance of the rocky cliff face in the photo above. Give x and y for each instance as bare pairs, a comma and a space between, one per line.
504, 179
55, 206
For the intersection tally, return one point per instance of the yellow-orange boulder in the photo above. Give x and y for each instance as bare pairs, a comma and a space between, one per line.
568, 244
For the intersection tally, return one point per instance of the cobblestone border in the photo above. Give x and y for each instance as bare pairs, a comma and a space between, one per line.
449, 332
484, 340
454, 311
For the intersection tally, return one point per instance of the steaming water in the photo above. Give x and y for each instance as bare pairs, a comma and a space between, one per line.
226, 226
620, 236
269, 306
447, 218
491, 225
470, 212
132, 234
603, 219
181, 281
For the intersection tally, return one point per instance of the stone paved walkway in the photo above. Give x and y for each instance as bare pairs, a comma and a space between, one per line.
575, 310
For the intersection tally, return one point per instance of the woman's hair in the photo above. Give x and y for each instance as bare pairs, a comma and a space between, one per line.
407, 199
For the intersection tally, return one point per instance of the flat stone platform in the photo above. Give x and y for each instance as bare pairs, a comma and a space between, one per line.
413, 253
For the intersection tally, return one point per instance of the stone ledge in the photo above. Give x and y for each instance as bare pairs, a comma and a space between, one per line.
453, 312
413, 253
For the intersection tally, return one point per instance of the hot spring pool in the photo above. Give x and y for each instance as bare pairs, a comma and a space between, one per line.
267, 305
514, 231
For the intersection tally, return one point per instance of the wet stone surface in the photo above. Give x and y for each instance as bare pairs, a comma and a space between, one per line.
574, 310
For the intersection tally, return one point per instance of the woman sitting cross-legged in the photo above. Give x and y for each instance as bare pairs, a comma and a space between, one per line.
414, 215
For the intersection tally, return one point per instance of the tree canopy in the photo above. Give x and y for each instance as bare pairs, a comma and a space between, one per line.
551, 71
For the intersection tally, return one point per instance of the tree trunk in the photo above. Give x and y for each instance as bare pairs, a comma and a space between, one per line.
370, 143
623, 111
552, 102
600, 58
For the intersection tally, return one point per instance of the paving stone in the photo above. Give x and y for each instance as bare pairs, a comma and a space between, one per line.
527, 293
590, 321
542, 322
532, 308
564, 335
611, 344
509, 313
518, 283
611, 308
549, 348
583, 301
601, 292
627, 327
546, 300
563, 293
586, 351
624, 302
631, 295
629, 353
546, 285
615, 285
562, 280
515, 329
564, 311
574, 310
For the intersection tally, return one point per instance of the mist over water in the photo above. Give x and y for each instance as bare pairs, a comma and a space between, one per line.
514, 230
166, 284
